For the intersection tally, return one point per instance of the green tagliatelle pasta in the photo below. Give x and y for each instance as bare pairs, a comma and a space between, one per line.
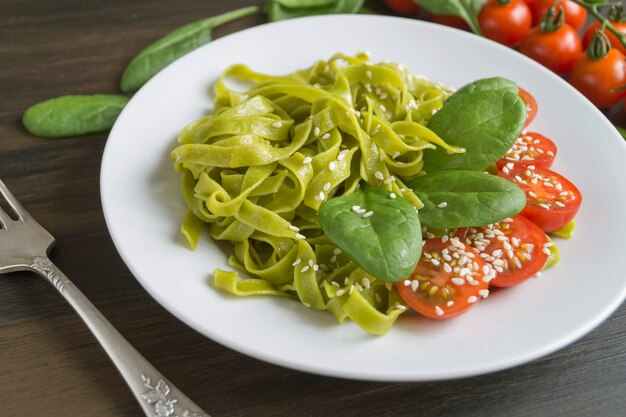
258, 169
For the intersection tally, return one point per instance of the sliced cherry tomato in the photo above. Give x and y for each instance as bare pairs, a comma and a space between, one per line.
505, 23
452, 21
513, 248
575, 15
447, 281
557, 50
551, 200
402, 6
531, 105
529, 149
600, 73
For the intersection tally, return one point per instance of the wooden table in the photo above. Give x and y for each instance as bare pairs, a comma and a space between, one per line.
51, 365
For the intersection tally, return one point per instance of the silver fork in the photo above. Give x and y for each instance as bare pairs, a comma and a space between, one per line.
24, 246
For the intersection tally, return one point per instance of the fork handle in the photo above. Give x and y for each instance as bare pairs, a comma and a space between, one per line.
156, 395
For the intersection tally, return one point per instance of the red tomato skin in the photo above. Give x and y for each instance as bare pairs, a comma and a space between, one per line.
423, 305
600, 79
555, 50
544, 161
526, 229
575, 15
452, 21
406, 7
555, 218
615, 43
507, 23
531, 105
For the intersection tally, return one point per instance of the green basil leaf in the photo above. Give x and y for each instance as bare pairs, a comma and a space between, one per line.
296, 4
386, 244
470, 198
465, 9
277, 11
73, 115
172, 46
485, 122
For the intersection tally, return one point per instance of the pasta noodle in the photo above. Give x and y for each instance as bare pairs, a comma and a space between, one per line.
260, 166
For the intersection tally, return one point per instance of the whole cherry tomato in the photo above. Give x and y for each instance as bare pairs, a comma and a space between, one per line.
452, 21
402, 6
505, 21
600, 72
553, 43
617, 18
575, 15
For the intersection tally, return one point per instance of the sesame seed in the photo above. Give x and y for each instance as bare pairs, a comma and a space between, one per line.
368, 214
346, 281
435, 262
305, 268
442, 204
447, 267
332, 165
415, 285
340, 293
294, 228
439, 311
316, 267
368, 74
307, 160
326, 136
321, 196
337, 251
334, 284
366, 282
341, 156
458, 281
396, 154
546, 251
316, 131
379, 175
450, 303
532, 194
558, 203
484, 293
296, 262
351, 289
300, 236
545, 206
472, 299
277, 124
406, 282
326, 186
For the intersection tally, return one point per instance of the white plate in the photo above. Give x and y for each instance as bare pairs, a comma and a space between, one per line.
143, 208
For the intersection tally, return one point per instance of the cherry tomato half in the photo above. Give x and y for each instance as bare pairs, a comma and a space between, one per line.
529, 149
506, 23
600, 79
531, 105
551, 199
402, 6
575, 15
513, 248
556, 50
447, 280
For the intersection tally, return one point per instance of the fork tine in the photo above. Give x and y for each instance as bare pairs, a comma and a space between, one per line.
15, 205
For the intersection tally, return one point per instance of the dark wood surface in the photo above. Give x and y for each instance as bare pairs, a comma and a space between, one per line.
51, 365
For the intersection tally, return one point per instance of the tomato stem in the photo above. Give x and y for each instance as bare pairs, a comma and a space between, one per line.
553, 19
600, 45
594, 10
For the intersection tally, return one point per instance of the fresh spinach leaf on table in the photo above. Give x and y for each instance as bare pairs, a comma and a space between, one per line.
73, 115
484, 117
172, 46
289, 9
455, 199
381, 234
465, 9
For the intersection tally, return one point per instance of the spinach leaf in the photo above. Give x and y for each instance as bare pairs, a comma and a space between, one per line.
73, 115
465, 9
486, 122
385, 240
276, 9
172, 46
467, 198
487, 84
296, 4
